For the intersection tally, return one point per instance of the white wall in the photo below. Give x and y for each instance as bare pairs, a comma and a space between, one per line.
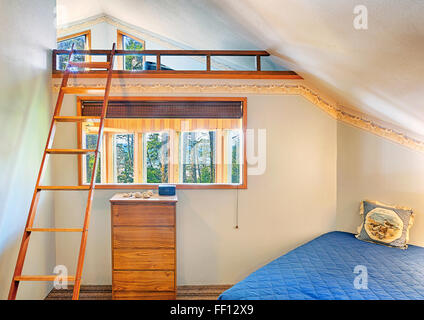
370, 167
293, 202
27, 33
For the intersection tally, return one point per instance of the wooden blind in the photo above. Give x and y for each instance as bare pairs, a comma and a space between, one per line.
166, 109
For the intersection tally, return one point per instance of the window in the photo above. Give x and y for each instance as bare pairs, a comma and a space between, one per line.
128, 42
148, 141
234, 137
91, 143
156, 157
81, 41
198, 149
123, 149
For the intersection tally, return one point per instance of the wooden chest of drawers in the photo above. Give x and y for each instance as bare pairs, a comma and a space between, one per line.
143, 248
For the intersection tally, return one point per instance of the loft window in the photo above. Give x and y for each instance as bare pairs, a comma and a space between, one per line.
128, 42
148, 141
81, 41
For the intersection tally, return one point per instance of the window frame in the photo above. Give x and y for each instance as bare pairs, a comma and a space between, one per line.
138, 185
86, 33
120, 46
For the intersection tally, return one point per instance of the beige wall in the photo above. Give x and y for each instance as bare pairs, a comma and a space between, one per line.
27, 33
293, 202
370, 167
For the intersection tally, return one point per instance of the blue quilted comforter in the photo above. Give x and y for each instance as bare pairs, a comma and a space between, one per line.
324, 269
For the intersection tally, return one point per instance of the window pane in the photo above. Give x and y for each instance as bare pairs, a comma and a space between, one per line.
67, 45
159, 150
124, 158
91, 143
235, 145
132, 62
198, 149
156, 157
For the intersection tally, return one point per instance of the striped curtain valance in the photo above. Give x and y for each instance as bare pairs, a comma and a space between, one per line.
166, 109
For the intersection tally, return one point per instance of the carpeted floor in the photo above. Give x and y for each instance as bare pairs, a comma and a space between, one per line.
210, 292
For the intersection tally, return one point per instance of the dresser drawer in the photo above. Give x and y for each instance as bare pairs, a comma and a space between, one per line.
143, 237
144, 259
143, 215
143, 281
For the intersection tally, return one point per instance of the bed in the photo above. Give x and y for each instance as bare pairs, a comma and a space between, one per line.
323, 269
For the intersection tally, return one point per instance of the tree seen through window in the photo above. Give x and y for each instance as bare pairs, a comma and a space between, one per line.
91, 143
133, 62
124, 158
235, 156
198, 157
156, 146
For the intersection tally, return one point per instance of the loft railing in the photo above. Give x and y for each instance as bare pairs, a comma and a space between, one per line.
159, 71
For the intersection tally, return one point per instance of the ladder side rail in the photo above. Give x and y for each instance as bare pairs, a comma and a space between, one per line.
36, 196
84, 235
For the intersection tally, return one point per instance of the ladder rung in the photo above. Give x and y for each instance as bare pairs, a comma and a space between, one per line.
97, 65
70, 151
43, 278
54, 230
80, 90
64, 188
75, 119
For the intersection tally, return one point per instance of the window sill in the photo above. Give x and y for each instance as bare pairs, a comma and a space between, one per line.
179, 186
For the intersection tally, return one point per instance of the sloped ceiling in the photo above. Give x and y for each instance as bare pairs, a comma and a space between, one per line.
379, 71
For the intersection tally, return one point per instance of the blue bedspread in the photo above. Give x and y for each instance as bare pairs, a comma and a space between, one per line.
324, 269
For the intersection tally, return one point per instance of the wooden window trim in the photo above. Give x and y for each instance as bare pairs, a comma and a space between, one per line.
87, 34
243, 100
120, 46
120, 43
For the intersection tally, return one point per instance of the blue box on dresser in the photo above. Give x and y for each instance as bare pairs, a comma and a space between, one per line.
167, 190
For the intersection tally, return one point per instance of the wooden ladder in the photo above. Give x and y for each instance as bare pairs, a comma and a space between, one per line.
64, 89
